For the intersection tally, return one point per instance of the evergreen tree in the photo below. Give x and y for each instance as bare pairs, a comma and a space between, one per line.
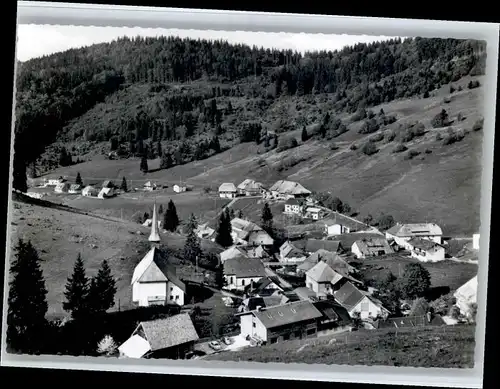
123, 186
166, 160
19, 180
78, 180
170, 218
102, 290
160, 209
192, 247
159, 150
77, 291
224, 229
144, 164
267, 218
27, 303
304, 134
33, 170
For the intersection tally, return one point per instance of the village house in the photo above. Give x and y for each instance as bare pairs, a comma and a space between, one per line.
62, 187
402, 233
169, 338
240, 272
248, 233
53, 181
332, 227
75, 188
333, 259
232, 252
256, 302
314, 213
250, 188
293, 206
204, 231
228, 190
107, 184
296, 320
322, 278
466, 296
106, 192
312, 245
284, 190
371, 247
289, 253
334, 318
154, 281
306, 294
179, 188
426, 250
90, 191
150, 186
256, 252
264, 287
475, 241
359, 302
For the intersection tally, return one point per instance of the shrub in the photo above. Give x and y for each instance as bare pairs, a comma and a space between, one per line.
473, 84
440, 120
359, 115
420, 306
369, 148
413, 131
390, 136
377, 138
460, 88
333, 147
385, 222
478, 125
438, 137
412, 154
447, 100
107, 346
287, 144
399, 148
452, 89
460, 117
353, 147
426, 95
428, 151
453, 138
454, 312
369, 126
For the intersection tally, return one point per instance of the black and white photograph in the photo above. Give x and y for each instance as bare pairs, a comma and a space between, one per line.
244, 196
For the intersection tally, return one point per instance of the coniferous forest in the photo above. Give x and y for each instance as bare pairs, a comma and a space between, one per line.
171, 98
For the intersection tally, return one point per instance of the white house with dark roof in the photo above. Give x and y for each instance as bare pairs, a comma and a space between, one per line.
240, 272
90, 191
106, 193
426, 250
172, 338
250, 187
314, 213
62, 187
402, 233
289, 253
295, 320
285, 190
357, 301
75, 188
228, 190
371, 247
321, 278
292, 206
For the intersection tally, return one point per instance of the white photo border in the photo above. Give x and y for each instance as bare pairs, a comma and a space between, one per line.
48, 13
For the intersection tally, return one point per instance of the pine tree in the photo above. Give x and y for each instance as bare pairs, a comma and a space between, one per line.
144, 164
123, 186
267, 218
160, 209
305, 137
166, 160
77, 291
102, 290
19, 180
224, 229
170, 218
192, 247
78, 180
27, 303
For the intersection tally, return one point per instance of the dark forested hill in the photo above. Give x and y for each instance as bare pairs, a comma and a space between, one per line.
185, 99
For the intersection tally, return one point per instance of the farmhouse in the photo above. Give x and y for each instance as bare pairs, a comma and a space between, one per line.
179, 188
285, 190
170, 338
296, 320
356, 301
228, 190
62, 187
289, 253
90, 191
150, 186
426, 250
312, 245
106, 193
250, 188
240, 272
107, 184
293, 206
402, 233
466, 296
314, 213
371, 247
75, 188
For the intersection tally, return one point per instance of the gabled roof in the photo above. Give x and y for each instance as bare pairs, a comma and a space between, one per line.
292, 202
107, 184
135, 347
289, 187
372, 245
313, 245
290, 313
227, 187
332, 311
321, 272
332, 259
259, 237
344, 220
304, 293
250, 184
289, 250
348, 295
75, 187
154, 268
244, 267
468, 291
415, 229
424, 244
172, 331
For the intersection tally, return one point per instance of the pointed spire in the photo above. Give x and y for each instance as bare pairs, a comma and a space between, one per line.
154, 237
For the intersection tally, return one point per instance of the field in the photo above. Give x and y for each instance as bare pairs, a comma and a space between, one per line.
443, 274
424, 188
60, 235
439, 347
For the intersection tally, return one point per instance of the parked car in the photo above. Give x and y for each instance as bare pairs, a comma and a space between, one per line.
227, 340
215, 345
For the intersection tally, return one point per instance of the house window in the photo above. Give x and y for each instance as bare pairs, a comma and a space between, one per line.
254, 325
171, 288
311, 331
242, 282
365, 306
176, 298
171, 298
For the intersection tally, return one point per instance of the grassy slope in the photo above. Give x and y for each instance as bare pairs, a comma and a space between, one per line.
424, 188
59, 235
441, 347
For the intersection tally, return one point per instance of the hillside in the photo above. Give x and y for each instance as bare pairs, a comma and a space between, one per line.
437, 347
59, 234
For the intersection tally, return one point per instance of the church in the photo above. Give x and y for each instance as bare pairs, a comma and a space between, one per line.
154, 281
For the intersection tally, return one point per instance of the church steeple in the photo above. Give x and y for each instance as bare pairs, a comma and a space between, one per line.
154, 237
